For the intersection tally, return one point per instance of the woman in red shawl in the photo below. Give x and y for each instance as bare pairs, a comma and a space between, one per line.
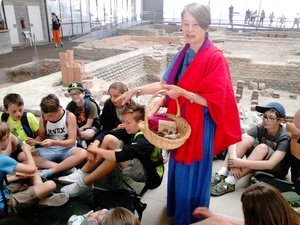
199, 78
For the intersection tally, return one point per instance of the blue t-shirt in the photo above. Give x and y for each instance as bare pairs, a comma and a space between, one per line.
8, 165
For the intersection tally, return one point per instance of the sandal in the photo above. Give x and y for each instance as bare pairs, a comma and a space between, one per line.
222, 188
216, 178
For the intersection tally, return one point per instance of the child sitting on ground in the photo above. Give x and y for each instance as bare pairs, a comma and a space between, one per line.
23, 125
57, 136
36, 192
111, 114
136, 157
85, 113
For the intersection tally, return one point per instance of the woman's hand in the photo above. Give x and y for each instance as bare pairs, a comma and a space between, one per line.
126, 96
173, 91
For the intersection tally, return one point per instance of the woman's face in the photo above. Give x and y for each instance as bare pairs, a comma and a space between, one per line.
192, 32
114, 94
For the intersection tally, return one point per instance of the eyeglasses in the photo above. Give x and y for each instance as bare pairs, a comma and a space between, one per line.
75, 94
265, 117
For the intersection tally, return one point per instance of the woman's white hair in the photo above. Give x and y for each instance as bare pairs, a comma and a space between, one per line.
200, 12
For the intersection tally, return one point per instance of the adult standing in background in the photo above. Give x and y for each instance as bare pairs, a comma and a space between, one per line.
271, 18
296, 21
262, 17
231, 14
209, 107
56, 30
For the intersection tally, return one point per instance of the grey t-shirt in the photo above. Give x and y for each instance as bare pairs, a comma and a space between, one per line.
280, 141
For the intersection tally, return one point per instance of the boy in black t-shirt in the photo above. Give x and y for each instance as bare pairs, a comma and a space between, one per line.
136, 157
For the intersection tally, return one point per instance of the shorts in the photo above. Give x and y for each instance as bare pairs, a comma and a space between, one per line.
135, 170
55, 153
22, 199
281, 169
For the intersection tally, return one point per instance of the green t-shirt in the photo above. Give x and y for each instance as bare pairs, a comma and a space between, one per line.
17, 128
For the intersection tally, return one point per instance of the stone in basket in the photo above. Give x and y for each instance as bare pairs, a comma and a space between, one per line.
182, 127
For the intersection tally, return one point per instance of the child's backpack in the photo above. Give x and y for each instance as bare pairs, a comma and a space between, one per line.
88, 98
24, 122
289, 190
127, 198
5, 211
154, 180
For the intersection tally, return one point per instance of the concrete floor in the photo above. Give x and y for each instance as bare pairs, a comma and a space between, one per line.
228, 205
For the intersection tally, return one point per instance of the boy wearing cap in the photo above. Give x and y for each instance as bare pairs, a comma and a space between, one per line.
84, 119
265, 146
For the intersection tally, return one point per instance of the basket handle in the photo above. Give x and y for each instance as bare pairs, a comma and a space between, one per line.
163, 91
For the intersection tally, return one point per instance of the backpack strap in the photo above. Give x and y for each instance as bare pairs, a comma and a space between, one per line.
26, 126
87, 105
24, 122
5, 211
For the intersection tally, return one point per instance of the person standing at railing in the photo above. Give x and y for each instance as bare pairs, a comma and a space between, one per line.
230, 14
56, 25
296, 21
271, 18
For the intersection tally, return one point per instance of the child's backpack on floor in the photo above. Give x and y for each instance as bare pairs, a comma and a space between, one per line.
24, 122
129, 199
290, 191
88, 98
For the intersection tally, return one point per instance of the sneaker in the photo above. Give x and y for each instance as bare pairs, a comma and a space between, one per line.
76, 220
216, 178
69, 171
61, 45
76, 189
165, 155
83, 144
56, 199
221, 188
73, 177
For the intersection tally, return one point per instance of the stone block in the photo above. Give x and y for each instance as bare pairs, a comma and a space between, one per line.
253, 85
275, 95
261, 86
254, 102
240, 84
293, 96
237, 98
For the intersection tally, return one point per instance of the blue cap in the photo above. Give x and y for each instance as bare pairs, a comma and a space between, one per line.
272, 105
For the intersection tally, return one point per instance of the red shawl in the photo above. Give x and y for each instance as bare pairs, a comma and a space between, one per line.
208, 75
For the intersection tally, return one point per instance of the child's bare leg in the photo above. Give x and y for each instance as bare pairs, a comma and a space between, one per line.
41, 162
110, 142
258, 153
44, 189
90, 166
77, 156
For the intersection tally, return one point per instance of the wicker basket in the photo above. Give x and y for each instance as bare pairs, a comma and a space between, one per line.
183, 128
